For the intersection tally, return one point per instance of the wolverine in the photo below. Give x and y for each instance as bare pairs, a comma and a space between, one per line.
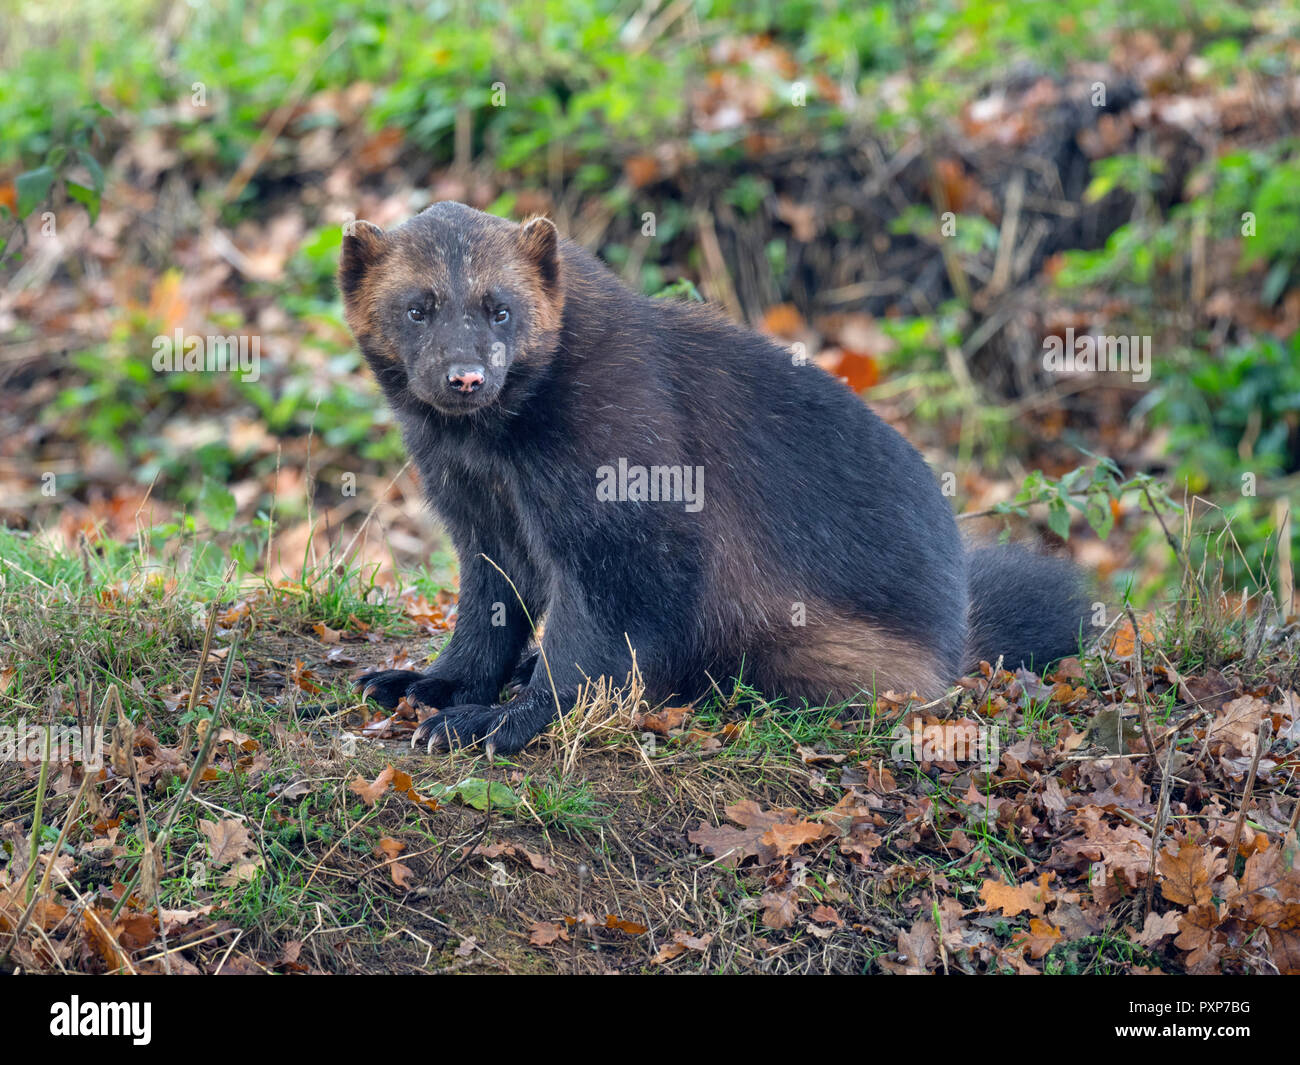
642, 476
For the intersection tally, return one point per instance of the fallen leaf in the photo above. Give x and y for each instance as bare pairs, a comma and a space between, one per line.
918, 950
825, 915
779, 908
680, 944
544, 933
1040, 938
370, 791
786, 839
1188, 875
326, 634
1157, 927
228, 839
1015, 899
401, 874
630, 927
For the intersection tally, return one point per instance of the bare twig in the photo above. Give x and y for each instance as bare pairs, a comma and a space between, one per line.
1162, 817
36, 816
1285, 569
149, 860
1169, 537
1141, 686
1007, 236
68, 821
203, 656
1261, 742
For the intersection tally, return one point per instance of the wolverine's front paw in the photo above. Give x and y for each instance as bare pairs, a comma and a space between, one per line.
496, 727
388, 686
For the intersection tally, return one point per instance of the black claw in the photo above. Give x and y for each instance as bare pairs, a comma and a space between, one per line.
467, 726
387, 686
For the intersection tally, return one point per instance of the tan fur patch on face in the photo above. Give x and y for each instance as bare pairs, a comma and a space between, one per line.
390, 279
835, 656
483, 253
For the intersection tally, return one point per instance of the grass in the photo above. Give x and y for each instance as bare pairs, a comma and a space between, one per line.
594, 830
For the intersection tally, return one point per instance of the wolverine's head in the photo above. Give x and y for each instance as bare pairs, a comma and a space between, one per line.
452, 304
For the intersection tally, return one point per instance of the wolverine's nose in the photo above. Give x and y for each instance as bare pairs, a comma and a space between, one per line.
464, 378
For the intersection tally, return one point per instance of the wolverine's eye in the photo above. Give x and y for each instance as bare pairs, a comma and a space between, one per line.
415, 314
501, 316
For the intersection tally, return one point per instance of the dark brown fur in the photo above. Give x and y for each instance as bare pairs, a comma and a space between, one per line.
521, 372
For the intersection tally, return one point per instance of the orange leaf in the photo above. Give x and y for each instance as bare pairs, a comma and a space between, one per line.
1040, 938
401, 874
544, 933
630, 927
1012, 900
326, 634
789, 838
664, 721
389, 848
783, 320
859, 371
370, 791
1188, 875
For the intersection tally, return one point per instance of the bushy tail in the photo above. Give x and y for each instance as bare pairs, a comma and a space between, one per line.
1031, 609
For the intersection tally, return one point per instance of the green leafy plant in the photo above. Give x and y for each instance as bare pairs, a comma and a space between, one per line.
1089, 491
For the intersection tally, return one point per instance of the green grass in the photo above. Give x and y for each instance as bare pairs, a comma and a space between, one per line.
107, 616
565, 804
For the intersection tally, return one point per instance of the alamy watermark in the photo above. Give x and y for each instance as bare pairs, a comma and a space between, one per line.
213, 353
651, 484
63, 743
133, 1020
1089, 353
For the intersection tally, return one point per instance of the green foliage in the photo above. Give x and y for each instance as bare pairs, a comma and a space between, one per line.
1257, 192
1230, 414
1136, 174
565, 802
566, 90
476, 792
1235, 425
1239, 414
1247, 193
217, 504
681, 289
69, 170
1088, 491
583, 76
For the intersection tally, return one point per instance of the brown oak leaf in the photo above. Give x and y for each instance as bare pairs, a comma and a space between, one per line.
786, 839
228, 839
371, 791
918, 950
779, 908
1040, 938
1189, 874
680, 944
544, 933
1014, 899
1197, 935
1157, 927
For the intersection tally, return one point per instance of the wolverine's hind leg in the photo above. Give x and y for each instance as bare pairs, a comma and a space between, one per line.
836, 656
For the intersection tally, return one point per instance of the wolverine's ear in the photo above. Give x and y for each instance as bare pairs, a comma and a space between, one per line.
363, 244
539, 242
